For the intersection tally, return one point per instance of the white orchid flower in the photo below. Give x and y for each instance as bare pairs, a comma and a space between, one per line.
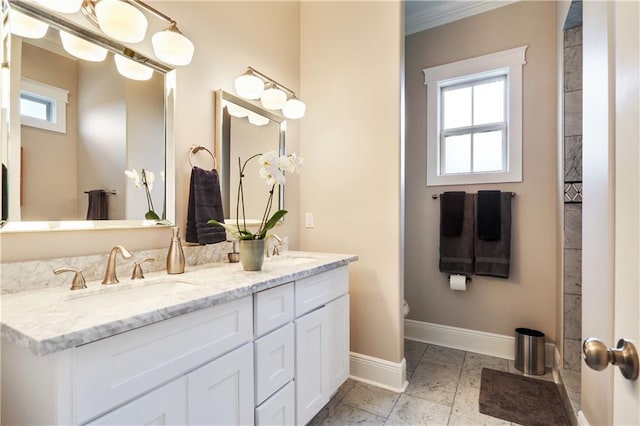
269, 159
149, 178
291, 163
134, 176
272, 175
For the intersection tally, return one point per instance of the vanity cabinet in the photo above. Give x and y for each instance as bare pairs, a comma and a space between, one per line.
271, 358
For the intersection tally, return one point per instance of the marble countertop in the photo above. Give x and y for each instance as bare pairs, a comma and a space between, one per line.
55, 319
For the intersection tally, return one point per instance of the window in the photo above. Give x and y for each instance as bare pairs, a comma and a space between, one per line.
474, 120
43, 106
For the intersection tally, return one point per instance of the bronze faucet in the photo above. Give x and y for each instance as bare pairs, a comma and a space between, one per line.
110, 274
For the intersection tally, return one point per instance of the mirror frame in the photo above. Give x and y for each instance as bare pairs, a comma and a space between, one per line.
222, 138
169, 127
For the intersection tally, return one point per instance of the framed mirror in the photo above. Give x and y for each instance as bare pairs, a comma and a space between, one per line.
243, 129
105, 124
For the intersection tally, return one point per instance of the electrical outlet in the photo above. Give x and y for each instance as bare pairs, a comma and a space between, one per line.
308, 220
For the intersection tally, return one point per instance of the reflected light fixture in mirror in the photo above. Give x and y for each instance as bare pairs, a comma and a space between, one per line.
26, 26
132, 69
251, 85
64, 6
81, 48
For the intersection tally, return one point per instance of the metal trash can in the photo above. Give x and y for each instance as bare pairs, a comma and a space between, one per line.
529, 351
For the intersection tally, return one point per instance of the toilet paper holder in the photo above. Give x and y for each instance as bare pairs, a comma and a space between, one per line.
466, 277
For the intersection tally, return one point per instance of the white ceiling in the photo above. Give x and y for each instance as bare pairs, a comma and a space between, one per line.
421, 15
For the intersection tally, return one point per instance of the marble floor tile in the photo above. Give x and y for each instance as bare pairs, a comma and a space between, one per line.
571, 380
410, 410
344, 415
443, 356
466, 411
473, 365
413, 352
370, 398
547, 376
435, 383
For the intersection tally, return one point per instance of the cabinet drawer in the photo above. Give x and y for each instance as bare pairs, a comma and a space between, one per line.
274, 361
279, 409
273, 308
319, 289
112, 371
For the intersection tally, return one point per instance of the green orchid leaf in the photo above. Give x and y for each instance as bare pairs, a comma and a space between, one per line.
271, 223
230, 228
151, 215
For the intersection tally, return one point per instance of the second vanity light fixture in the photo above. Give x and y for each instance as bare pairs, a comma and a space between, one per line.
273, 95
122, 20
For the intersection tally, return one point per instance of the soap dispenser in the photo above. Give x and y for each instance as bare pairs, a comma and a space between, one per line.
175, 256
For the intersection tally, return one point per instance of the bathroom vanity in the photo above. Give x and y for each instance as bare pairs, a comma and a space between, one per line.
215, 345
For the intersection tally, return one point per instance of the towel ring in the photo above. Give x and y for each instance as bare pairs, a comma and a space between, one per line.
195, 149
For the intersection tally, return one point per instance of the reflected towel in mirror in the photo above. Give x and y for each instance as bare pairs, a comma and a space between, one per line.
98, 205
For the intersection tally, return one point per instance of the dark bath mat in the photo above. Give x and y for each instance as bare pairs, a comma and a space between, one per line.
521, 399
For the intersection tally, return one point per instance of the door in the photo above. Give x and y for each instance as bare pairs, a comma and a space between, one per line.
611, 216
221, 392
338, 311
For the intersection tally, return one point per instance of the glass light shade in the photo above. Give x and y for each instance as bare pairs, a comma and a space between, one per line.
273, 98
64, 6
26, 26
132, 69
82, 49
249, 86
172, 47
237, 111
121, 20
257, 119
294, 109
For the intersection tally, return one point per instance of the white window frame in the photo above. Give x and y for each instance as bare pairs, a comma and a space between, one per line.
507, 62
55, 96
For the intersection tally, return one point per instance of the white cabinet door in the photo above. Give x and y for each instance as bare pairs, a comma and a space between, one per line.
164, 406
221, 392
338, 311
279, 409
273, 361
312, 364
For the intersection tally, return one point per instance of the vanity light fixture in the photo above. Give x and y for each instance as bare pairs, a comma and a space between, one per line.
26, 26
125, 21
251, 85
257, 119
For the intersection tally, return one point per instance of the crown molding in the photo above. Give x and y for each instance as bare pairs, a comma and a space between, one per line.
436, 13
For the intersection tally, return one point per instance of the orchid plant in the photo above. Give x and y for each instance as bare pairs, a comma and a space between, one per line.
146, 179
272, 170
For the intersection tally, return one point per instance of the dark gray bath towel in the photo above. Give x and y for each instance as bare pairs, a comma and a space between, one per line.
493, 258
205, 203
451, 213
98, 205
488, 218
456, 252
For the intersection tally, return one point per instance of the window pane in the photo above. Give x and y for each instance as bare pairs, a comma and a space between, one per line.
488, 102
33, 108
457, 108
457, 154
487, 151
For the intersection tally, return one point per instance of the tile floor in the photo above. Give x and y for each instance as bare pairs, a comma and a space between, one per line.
444, 385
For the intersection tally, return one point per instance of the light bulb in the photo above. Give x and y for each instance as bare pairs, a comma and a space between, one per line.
132, 69
294, 109
273, 98
257, 119
26, 26
64, 6
237, 110
172, 47
81, 48
249, 86
121, 20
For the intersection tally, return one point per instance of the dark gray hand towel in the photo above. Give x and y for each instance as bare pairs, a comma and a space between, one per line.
98, 205
451, 213
205, 203
493, 258
488, 219
456, 252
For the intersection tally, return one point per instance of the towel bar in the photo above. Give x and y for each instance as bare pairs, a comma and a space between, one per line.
435, 196
112, 192
195, 149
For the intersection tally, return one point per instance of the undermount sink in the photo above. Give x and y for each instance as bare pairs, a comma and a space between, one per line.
117, 294
291, 259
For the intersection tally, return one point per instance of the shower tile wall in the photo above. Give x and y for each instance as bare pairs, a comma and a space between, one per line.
573, 197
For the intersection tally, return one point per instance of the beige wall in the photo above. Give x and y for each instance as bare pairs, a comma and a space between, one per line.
228, 36
529, 297
351, 71
49, 158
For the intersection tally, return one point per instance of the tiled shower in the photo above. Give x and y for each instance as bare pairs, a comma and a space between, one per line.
572, 198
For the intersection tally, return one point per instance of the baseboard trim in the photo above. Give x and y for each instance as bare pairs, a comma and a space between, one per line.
582, 420
378, 372
481, 342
